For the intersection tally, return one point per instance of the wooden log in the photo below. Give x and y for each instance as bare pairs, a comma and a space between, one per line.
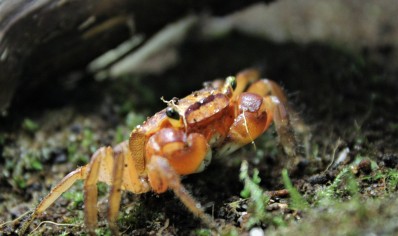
41, 39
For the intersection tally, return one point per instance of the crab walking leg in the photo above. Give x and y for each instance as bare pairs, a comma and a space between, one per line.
282, 124
60, 188
115, 192
265, 88
91, 190
101, 168
163, 176
244, 79
278, 108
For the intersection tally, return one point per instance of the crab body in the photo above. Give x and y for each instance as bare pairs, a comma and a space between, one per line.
181, 140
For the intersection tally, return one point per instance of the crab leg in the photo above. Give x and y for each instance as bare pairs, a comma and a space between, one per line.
285, 118
265, 87
63, 186
282, 123
106, 166
115, 192
255, 114
162, 176
91, 191
244, 79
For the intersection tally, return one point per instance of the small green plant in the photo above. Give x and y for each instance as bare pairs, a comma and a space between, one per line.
297, 201
251, 189
20, 182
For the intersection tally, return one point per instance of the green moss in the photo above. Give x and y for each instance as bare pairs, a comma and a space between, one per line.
34, 162
138, 215
19, 169
392, 179
353, 217
203, 232
88, 141
29, 125
77, 219
75, 155
2, 138
75, 195
103, 232
388, 176
120, 134
327, 195
230, 231
133, 119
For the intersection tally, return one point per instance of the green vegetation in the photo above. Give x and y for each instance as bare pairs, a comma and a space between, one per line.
133, 119
75, 196
297, 202
130, 122
103, 232
29, 125
2, 138
202, 232
387, 176
258, 199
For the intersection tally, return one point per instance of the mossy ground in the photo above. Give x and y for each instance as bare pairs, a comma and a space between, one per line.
347, 176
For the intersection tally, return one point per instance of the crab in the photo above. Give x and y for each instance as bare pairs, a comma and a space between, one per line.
180, 140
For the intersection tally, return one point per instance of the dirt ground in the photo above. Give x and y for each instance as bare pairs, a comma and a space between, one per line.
346, 178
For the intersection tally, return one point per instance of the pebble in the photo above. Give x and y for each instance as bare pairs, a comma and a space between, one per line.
256, 232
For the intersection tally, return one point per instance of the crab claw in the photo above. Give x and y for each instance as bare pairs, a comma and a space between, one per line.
186, 153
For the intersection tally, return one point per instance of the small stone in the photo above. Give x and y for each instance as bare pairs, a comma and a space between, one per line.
365, 166
256, 232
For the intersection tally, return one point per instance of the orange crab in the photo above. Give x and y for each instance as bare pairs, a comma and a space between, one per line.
180, 140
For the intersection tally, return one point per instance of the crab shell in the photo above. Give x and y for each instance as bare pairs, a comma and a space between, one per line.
205, 119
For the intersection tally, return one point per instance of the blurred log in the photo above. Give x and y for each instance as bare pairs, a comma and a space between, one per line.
43, 39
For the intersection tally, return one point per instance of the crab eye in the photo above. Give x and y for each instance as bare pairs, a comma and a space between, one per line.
172, 113
231, 81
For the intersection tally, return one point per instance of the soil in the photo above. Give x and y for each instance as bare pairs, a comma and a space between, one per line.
347, 99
